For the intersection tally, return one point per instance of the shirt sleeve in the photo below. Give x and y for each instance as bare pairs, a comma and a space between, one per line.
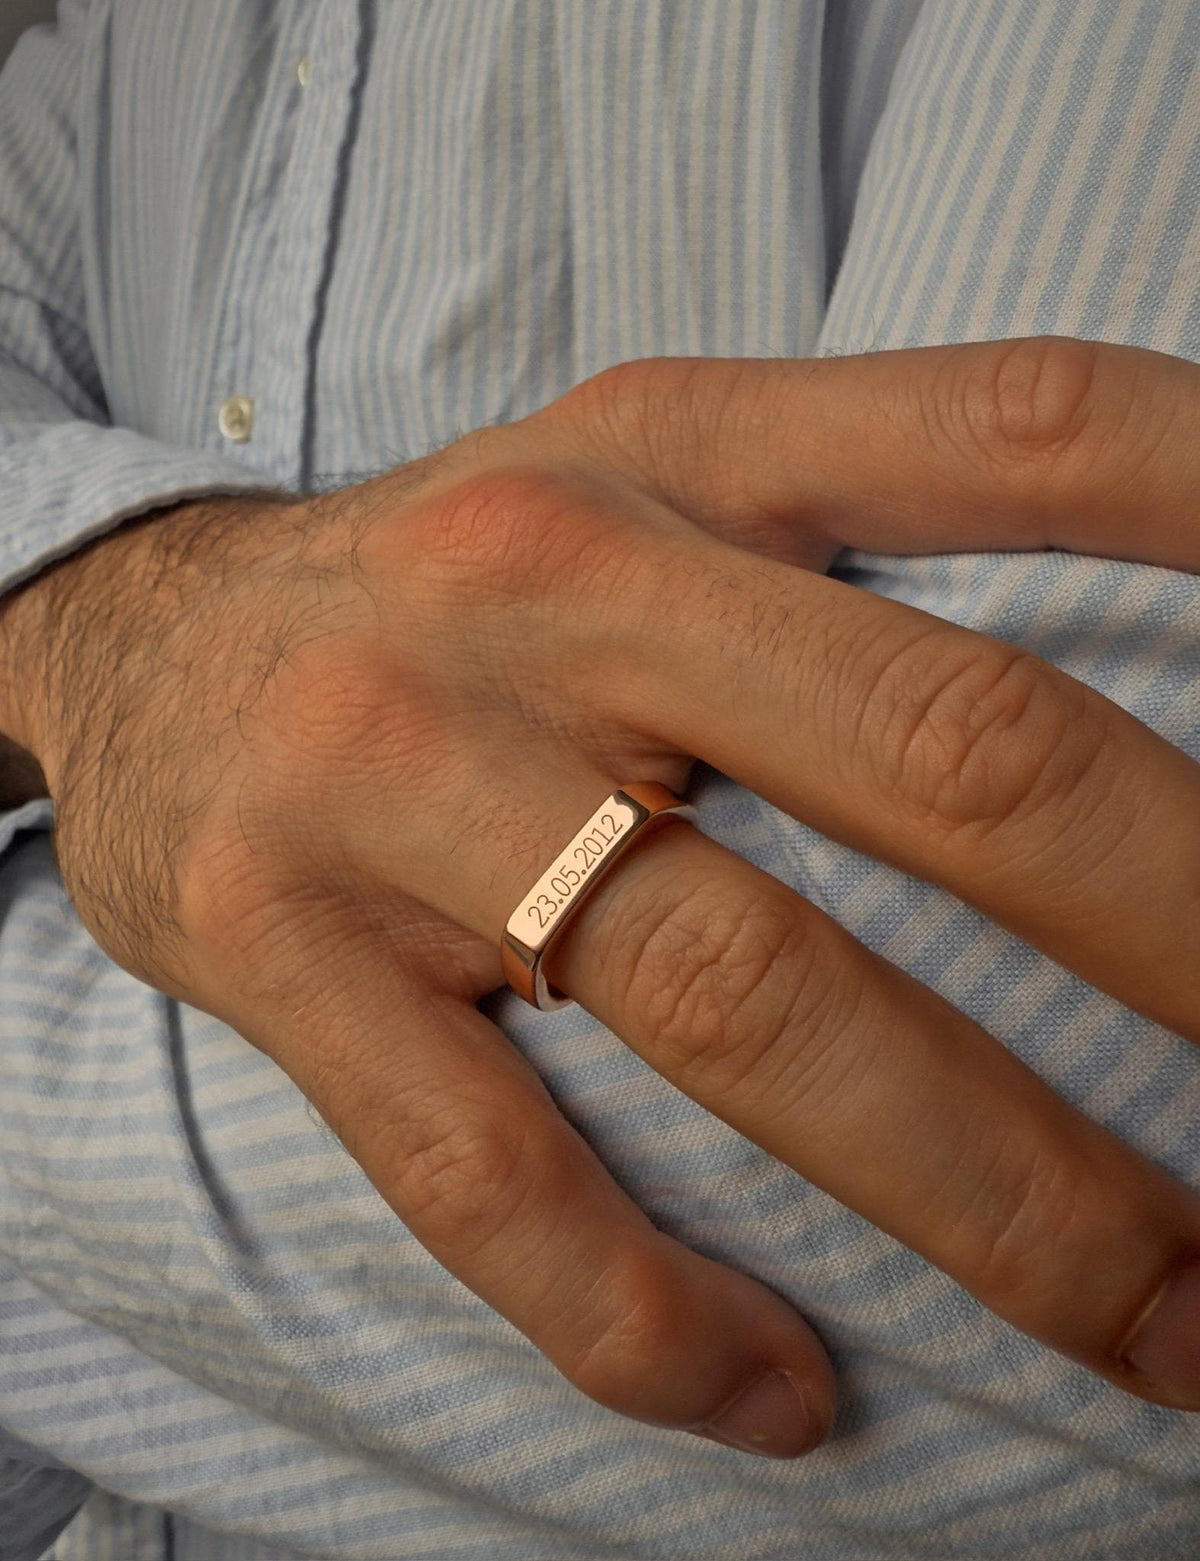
67, 474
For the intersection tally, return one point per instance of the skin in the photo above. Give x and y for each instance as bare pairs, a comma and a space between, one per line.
284, 738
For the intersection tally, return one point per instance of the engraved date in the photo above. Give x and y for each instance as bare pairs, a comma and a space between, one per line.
586, 850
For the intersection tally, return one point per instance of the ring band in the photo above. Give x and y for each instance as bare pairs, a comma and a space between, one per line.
540, 918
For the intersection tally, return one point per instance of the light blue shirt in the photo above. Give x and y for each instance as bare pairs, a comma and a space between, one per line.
462, 209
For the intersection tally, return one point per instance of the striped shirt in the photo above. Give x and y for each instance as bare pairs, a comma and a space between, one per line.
297, 241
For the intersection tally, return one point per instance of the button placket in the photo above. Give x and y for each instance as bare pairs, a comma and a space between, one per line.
306, 204
258, 382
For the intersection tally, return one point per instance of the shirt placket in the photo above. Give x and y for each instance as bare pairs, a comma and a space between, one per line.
267, 402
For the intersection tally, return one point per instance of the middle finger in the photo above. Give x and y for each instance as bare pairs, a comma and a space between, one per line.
965, 761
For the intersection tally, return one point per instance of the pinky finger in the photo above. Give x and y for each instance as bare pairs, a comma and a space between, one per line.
459, 1135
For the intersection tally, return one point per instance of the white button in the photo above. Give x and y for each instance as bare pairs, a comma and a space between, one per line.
236, 418
303, 70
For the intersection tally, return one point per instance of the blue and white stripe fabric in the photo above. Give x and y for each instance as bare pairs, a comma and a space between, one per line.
213, 1334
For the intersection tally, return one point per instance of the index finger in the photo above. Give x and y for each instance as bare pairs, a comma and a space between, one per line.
1031, 443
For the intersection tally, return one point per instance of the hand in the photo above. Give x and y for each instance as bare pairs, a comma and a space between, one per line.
308, 756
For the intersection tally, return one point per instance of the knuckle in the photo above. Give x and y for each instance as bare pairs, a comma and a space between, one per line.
233, 902
1024, 406
628, 1328
256, 916
613, 403
503, 534
611, 414
718, 979
988, 739
1020, 1217
685, 430
337, 713
460, 1176
658, 415
1056, 419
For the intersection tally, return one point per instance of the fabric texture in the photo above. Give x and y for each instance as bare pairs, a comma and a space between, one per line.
209, 1320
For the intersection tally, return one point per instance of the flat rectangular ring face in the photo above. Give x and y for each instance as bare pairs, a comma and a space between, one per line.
576, 866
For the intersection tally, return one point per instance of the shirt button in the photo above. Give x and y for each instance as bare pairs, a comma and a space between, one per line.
236, 418
303, 70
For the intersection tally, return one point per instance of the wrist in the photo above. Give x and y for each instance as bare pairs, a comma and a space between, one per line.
68, 634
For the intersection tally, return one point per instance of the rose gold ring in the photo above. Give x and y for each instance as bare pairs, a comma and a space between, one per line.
538, 921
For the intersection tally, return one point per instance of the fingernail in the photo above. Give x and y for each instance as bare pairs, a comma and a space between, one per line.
1166, 1346
768, 1417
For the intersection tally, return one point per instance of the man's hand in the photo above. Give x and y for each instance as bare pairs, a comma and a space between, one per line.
307, 757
